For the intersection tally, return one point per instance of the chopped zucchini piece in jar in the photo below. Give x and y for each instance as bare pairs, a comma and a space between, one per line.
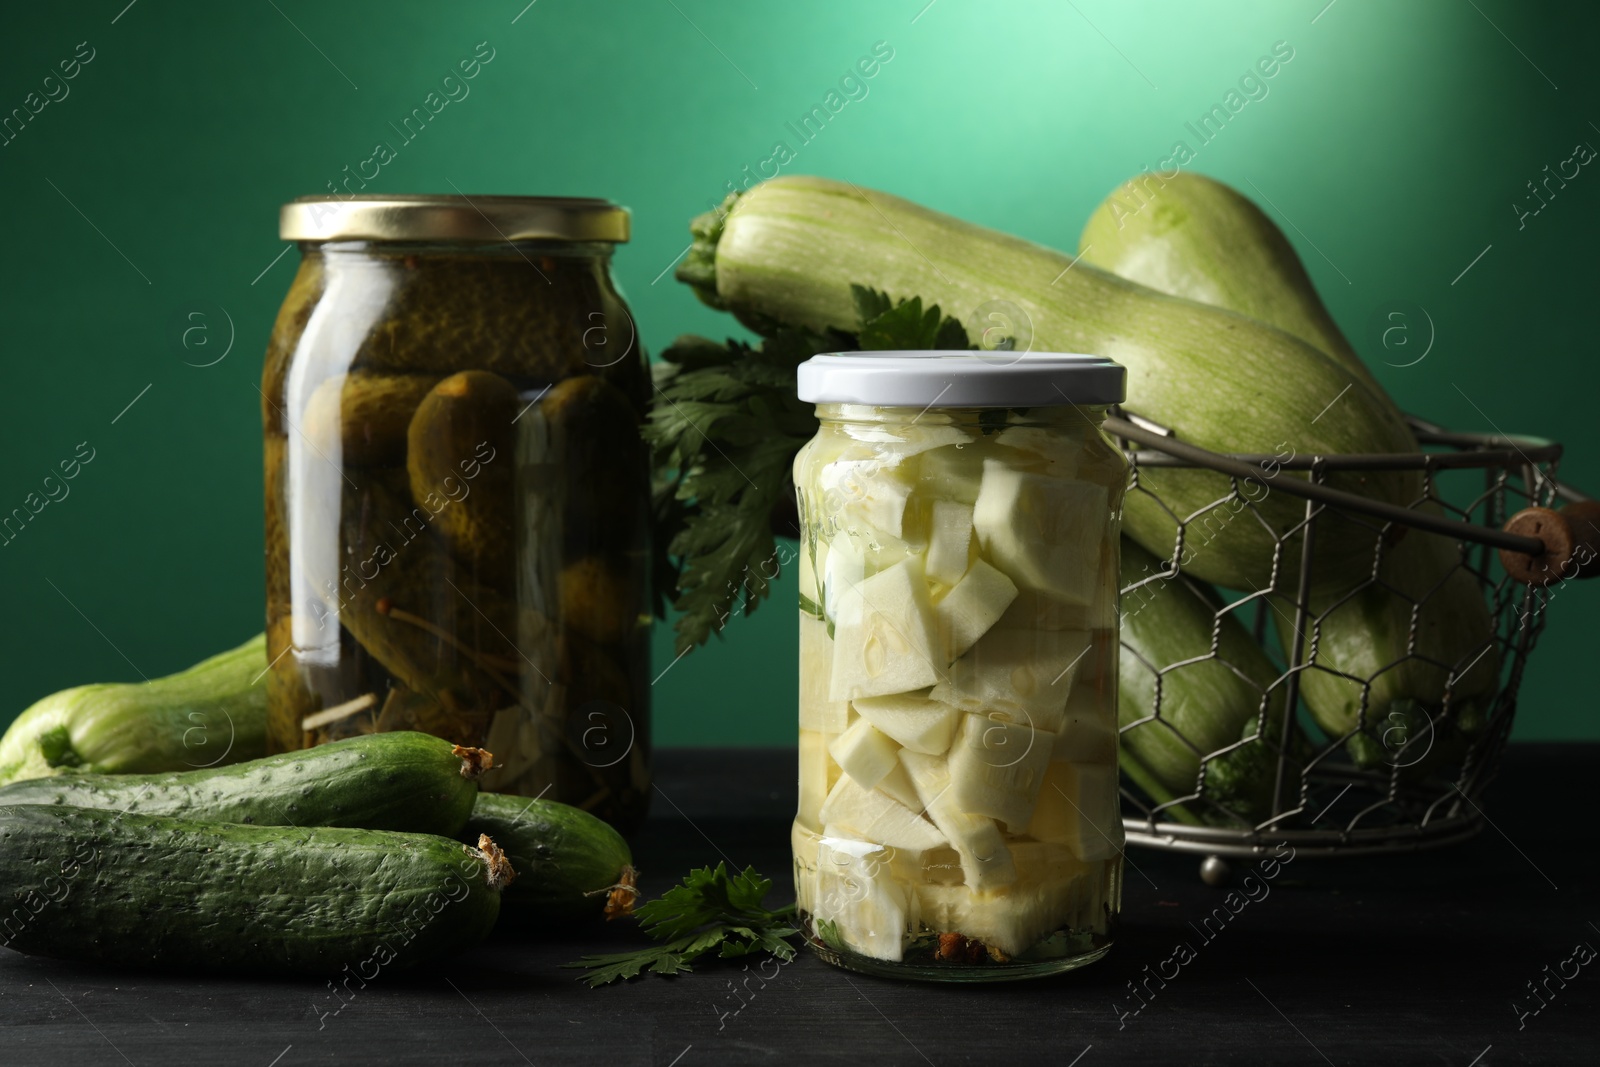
912, 719
883, 635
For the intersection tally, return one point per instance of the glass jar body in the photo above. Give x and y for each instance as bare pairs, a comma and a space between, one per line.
457, 511
958, 814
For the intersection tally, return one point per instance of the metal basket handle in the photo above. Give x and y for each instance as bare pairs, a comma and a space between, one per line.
1537, 545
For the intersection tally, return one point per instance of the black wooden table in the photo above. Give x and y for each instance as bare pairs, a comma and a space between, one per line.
1425, 959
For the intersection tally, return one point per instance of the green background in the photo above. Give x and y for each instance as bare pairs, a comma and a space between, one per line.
1396, 140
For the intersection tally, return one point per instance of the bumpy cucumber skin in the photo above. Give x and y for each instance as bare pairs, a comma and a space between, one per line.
173, 894
212, 714
390, 781
564, 857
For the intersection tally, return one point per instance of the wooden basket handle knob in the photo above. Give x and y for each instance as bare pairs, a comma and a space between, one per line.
1571, 539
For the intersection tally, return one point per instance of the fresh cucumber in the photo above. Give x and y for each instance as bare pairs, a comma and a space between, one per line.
153, 891
1215, 688
212, 714
570, 865
790, 249
388, 781
1387, 658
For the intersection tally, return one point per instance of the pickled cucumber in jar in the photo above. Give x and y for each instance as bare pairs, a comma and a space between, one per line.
958, 807
458, 492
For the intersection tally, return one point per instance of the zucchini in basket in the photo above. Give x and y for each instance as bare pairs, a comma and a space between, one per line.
1192, 681
1419, 629
1407, 667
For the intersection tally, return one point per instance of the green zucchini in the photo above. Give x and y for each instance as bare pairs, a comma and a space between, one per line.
153, 891
790, 249
212, 714
1405, 664
388, 781
1194, 237
570, 864
1216, 688
1383, 665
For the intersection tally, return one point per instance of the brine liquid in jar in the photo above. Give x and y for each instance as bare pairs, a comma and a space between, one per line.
457, 491
958, 815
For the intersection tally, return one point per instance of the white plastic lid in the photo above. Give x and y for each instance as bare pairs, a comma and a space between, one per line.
961, 379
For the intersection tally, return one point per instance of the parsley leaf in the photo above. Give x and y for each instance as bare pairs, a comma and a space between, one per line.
726, 422
828, 930
724, 427
904, 325
709, 909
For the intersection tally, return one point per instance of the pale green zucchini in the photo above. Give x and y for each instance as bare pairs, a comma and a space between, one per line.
212, 714
1391, 658
1192, 682
790, 249
1192, 236
1387, 657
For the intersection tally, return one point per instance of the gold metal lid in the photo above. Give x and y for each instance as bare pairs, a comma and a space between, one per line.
492, 219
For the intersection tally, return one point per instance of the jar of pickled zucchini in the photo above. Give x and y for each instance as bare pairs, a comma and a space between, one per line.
958, 814
457, 493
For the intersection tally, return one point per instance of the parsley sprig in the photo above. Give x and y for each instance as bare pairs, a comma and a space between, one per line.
727, 423
710, 909
725, 426
903, 324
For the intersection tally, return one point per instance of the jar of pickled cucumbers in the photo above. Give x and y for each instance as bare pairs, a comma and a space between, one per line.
457, 493
958, 814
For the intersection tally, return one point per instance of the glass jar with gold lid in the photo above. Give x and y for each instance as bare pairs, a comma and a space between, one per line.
457, 494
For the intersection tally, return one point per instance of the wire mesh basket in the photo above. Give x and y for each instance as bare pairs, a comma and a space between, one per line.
1385, 748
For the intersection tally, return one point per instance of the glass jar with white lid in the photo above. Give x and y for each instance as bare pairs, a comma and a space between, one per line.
958, 815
